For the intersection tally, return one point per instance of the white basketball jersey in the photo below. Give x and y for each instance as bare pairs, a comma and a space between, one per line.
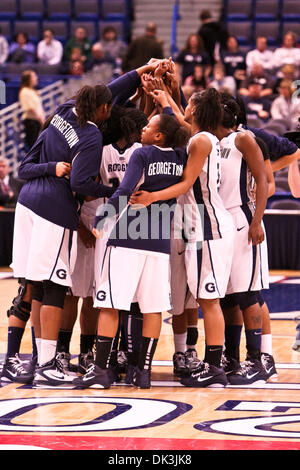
205, 193
112, 170
236, 181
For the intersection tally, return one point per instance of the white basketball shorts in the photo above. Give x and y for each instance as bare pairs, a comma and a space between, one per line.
209, 267
249, 269
42, 250
130, 276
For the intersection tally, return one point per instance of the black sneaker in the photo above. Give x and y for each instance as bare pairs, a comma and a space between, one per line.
95, 377
249, 372
179, 367
130, 374
269, 365
84, 361
113, 373
15, 371
192, 362
207, 376
65, 359
52, 374
142, 378
230, 365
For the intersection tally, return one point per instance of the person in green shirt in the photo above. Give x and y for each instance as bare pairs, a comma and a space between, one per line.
79, 40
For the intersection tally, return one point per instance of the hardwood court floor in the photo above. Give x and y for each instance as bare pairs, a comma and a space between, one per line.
168, 416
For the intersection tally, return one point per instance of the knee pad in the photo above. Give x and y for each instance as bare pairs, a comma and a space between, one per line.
54, 294
37, 291
229, 301
20, 308
246, 299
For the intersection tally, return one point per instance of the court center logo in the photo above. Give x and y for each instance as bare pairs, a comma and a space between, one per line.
277, 421
128, 413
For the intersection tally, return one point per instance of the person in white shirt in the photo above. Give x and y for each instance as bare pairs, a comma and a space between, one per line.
4, 48
289, 53
286, 106
33, 112
261, 55
49, 50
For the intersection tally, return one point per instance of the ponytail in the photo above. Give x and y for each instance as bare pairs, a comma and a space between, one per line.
88, 100
230, 111
174, 134
208, 109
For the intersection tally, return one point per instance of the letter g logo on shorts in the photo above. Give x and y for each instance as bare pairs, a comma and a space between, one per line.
101, 295
210, 287
61, 273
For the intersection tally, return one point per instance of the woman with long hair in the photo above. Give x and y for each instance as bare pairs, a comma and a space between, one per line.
31, 104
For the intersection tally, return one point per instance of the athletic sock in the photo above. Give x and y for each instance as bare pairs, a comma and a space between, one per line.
38, 342
48, 350
64, 340
86, 343
232, 341
180, 342
213, 355
103, 351
147, 352
192, 336
34, 346
253, 343
266, 344
14, 339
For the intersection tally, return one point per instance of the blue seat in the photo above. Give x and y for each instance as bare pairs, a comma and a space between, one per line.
270, 29
59, 9
114, 10
266, 10
87, 9
32, 9
291, 10
6, 29
8, 9
237, 10
243, 30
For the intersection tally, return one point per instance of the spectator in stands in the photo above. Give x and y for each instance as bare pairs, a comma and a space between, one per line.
77, 62
4, 48
234, 60
49, 50
191, 55
214, 35
258, 75
285, 106
222, 82
261, 55
79, 40
30, 101
142, 49
198, 81
257, 105
289, 73
289, 53
21, 50
9, 186
112, 46
101, 63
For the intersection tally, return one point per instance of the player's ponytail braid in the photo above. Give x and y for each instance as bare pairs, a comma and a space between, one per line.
174, 134
230, 111
88, 100
208, 109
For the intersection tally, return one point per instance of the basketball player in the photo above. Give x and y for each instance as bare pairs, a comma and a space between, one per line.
242, 164
67, 125
136, 263
207, 276
121, 135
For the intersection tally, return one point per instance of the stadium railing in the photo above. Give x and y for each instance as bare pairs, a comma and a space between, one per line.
11, 127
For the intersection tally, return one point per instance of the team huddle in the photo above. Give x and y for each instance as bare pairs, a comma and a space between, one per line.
139, 203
